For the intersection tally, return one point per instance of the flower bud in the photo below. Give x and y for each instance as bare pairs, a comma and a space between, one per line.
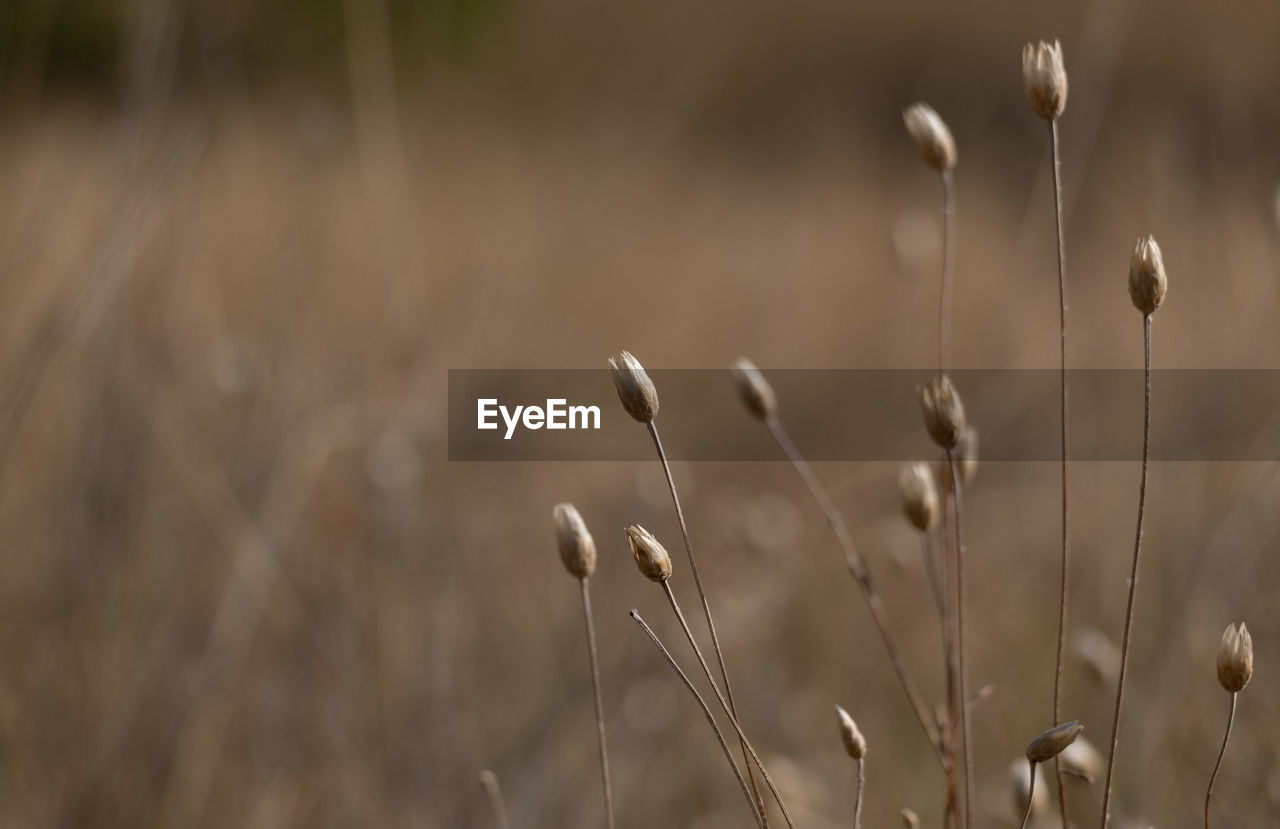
577, 548
651, 557
756, 393
919, 496
932, 137
943, 411
1235, 658
1045, 78
1147, 282
1049, 744
854, 742
635, 389
910, 819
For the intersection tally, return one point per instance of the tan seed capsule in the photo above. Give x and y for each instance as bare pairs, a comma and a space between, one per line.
854, 742
651, 557
756, 393
1045, 78
932, 137
1147, 281
1049, 744
635, 389
1081, 759
919, 496
910, 819
1235, 658
943, 411
577, 547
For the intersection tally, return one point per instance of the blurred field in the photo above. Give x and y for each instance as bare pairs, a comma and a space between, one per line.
241, 584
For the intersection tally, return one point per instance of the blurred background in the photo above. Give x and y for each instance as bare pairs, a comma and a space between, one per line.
241, 244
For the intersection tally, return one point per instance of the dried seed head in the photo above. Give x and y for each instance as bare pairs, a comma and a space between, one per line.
1235, 658
651, 557
1147, 282
1045, 78
635, 389
1020, 784
854, 742
966, 453
910, 819
756, 393
919, 496
577, 547
1081, 759
929, 131
943, 411
1049, 744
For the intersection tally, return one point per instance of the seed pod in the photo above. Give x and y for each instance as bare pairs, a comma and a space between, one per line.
919, 496
635, 389
910, 819
756, 393
943, 411
932, 137
577, 547
1049, 744
1081, 759
1235, 658
651, 557
1147, 281
1045, 78
854, 742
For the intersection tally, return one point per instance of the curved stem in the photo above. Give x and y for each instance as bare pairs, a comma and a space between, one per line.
948, 269
1208, 795
857, 797
1133, 574
706, 611
595, 685
728, 755
858, 569
1031, 795
497, 808
1066, 480
967, 731
724, 705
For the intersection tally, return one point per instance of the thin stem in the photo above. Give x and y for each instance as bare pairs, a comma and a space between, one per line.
1208, 795
497, 808
951, 803
967, 732
706, 611
931, 570
1066, 479
1133, 574
724, 704
857, 798
728, 755
595, 685
948, 270
858, 569
1031, 794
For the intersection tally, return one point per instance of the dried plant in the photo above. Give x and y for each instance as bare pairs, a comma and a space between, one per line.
1147, 287
1043, 748
1235, 667
856, 746
497, 807
938, 150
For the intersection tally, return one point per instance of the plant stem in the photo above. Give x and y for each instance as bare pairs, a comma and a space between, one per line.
728, 755
948, 269
1133, 574
1031, 794
1208, 795
858, 569
724, 704
857, 798
595, 685
951, 811
931, 570
967, 732
1066, 480
496, 806
706, 612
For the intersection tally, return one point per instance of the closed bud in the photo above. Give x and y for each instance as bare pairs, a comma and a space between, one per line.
1147, 282
577, 548
1049, 744
854, 742
919, 496
910, 819
635, 389
932, 137
943, 411
756, 393
1045, 78
1235, 658
651, 557
966, 454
